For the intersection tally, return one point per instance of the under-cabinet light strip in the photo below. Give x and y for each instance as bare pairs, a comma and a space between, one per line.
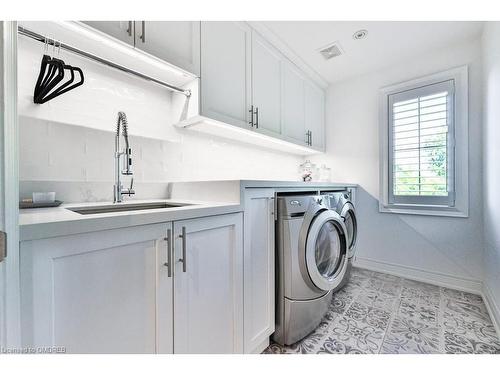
90, 56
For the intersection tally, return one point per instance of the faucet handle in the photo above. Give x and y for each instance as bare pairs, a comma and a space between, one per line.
130, 189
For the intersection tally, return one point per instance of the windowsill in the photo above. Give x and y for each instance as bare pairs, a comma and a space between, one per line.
423, 210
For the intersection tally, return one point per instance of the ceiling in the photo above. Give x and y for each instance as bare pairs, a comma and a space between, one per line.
387, 42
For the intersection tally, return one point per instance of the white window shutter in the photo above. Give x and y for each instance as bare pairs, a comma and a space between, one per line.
421, 145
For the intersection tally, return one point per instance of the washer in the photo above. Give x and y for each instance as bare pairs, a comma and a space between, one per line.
312, 260
341, 202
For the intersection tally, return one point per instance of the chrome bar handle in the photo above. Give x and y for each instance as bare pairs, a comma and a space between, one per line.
310, 138
183, 259
131, 188
251, 116
256, 117
169, 252
129, 30
143, 36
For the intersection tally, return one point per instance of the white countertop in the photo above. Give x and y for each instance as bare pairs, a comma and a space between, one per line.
217, 198
294, 184
38, 223
232, 190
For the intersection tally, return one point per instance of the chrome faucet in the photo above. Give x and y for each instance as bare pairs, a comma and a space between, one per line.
118, 190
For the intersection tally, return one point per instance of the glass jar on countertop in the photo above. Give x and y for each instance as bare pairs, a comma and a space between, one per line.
308, 171
325, 173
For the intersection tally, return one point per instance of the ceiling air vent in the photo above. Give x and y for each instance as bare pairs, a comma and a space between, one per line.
331, 51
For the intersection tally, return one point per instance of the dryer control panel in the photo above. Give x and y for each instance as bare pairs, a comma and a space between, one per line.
295, 206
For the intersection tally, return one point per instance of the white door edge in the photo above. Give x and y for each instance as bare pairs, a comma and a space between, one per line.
10, 333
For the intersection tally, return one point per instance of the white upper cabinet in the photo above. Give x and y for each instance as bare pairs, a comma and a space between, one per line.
122, 30
266, 86
208, 291
245, 81
315, 115
177, 42
225, 72
293, 104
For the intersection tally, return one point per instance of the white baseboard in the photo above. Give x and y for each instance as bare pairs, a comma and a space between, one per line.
413, 273
492, 306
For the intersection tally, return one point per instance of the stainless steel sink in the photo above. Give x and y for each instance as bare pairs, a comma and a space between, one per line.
91, 210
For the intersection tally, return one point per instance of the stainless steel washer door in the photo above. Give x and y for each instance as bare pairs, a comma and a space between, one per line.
326, 250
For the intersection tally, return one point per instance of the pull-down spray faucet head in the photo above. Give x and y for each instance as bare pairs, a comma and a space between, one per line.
122, 120
118, 189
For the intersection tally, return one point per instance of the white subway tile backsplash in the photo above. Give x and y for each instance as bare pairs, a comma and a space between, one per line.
67, 153
67, 144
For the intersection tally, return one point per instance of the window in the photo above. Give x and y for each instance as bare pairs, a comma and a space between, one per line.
421, 145
419, 124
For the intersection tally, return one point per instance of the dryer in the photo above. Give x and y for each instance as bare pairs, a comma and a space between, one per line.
341, 202
312, 261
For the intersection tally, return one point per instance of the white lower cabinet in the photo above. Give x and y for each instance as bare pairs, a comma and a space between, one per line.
208, 295
95, 292
111, 291
258, 268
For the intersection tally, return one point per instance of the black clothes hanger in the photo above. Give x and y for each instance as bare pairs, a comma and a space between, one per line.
53, 77
48, 85
59, 88
41, 75
66, 86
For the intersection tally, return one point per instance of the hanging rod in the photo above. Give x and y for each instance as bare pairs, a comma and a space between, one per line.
90, 56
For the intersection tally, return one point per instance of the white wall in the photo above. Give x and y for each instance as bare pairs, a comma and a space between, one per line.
67, 144
491, 162
443, 249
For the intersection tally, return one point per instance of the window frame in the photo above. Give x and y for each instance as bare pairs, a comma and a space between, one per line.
456, 204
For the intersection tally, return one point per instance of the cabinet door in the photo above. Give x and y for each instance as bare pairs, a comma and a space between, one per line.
208, 295
96, 292
315, 114
258, 269
225, 72
165, 293
122, 30
177, 42
266, 86
293, 111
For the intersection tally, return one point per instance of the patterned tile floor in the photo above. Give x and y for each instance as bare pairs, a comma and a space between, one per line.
380, 313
